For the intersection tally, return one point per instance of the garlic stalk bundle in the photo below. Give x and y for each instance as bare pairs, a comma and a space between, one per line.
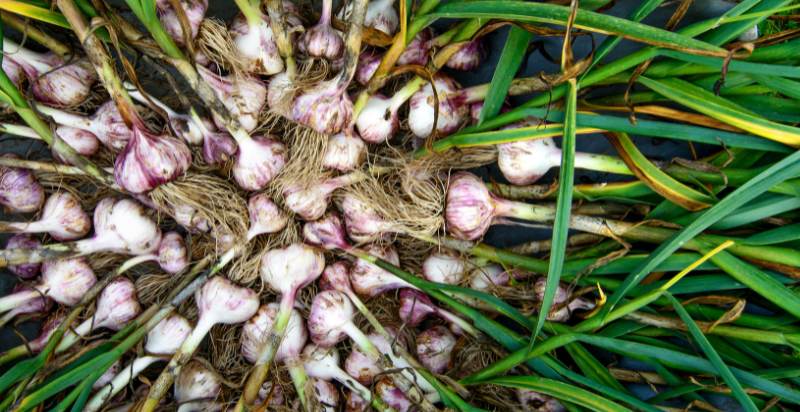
415, 306
65, 281
244, 97
323, 364
418, 49
345, 152
322, 40
105, 124
327, 395
310, 203
62, 217
163, 340
468, 57
24, 241
368, 62
435, 348
563, 305
370, 280
285, 271
53, 80
39, 304
116, 306
453, 111
196, 388
378, 120
195, 11
265, 216
444, 268
150, 160
20, 192
526, 161
530, 400
173, 257
82, 141
255, 43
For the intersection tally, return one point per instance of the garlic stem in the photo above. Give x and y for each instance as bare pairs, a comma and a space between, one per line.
299, 379
122, 379
38, 226
27, 57
18, 130
66, 118
9, 302
75, 334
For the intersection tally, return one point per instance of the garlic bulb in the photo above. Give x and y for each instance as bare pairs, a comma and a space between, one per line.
311, 202
526, 161
370, 280
361, 367
196, 386
362, 221
172, 254
322, 40
121, 226
149, 161
39, 304
417, 50
323, 365
14, 72
218, 147
24, 241
368, 63
271, 394
415, 306
257, 329
82, 141
255, 44
327, 395
65, 281
355, 403
531, 400
280, 94
325, 108
393, 396
62, 217
453, 111
195, 11
291, 268
345, 152
443, 268
258, 161
244, 97
378, 121
20, 192
265, 216
435, 348
468, 57
331, 318
382, 16
470, 207
106, 124
327, 233
562, 306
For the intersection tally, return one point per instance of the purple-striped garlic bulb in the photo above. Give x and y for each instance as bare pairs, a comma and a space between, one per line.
20, 192
195, 11
62, 217
265, 216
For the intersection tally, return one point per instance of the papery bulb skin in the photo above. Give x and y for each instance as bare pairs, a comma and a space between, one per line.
331, 311
291, 268
470, 207
20, 192
218, 148
378, 121
280, 94
326, 108
196, 382
256, 46
327, 233
526, 161
14, 72
168, 335
195, 11
108, 126
443, 268
382, 16
368, 62
190, 218
67, 85
435, 348
65, 217
361, 367
48, 328
530, 400
415, 306
66, 280
173, 257
108, 375
475, 112
355, 403
256, 330
265, 216
488, 277
362, 221
224, 302
271, 394
149, 161
453, 111
24, 241
345, 152
323, 41
418, 49
393, 396
116, 305
259, 160
82, 141
243, 96
336, 276
468, 57
370, 280
327, 395
126, 228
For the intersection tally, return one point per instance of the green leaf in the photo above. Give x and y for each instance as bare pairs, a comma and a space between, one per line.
713, 356
556, 14
507, 67
789, 88
34, 12
561, 391
787, 168
781, 234
561, 223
